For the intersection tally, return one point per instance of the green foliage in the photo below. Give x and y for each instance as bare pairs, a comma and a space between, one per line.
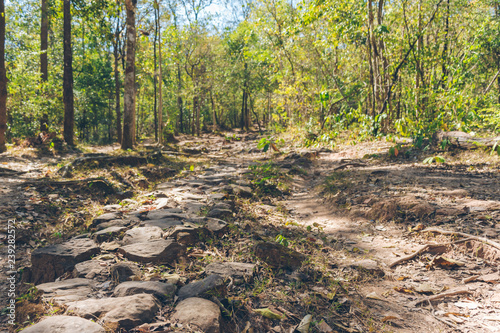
432, 159
268, 179
280, 239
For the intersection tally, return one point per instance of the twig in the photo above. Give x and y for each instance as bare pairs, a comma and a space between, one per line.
470, 279
345, 165
470, 237
435, 297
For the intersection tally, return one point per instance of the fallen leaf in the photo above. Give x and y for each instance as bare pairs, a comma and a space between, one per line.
444, 262
323, 327
467, 305
426, 288
374, 295
403, 290
304, 324
268, 313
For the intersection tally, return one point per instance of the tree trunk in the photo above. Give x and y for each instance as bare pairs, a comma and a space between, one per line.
44, 28
129, 92
179, 98
69, 111
155, 76
117, 85
3, 80
160, 81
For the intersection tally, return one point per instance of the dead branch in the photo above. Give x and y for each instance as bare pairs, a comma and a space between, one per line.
436, 297
468, 236
345, 165
423, 249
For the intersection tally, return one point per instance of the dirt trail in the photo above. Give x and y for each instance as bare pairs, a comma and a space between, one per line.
342, 218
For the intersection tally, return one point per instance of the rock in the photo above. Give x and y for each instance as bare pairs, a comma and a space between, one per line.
163, 224
105, 218
113, 223
110, 246
157, 251
220, 213
122, 272
62, 292
369, 266
277, 256
142, 235
193, 207
216, 226
212, 284
48, 263
121, 312
200, 313
188, 235
162, 291
236, 270
107, 234
162, 203
160, 214
64, 324
216, 196
89, 269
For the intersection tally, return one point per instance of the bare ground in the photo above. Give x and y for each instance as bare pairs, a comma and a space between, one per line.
353, 211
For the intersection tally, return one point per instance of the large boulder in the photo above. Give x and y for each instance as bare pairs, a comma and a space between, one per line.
156, 251
48, 263
64, 324
199, 314
121, 312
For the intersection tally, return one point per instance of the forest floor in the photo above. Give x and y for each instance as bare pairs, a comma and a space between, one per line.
361, 239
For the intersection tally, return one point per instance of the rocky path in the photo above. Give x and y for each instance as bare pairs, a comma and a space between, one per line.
221, 248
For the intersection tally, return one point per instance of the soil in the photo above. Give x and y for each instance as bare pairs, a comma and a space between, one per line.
353, 211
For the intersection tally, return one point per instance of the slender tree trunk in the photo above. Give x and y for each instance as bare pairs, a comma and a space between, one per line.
155, 76
179, 98
129, 93
444, 56
69, 111
214, 112
3, 80
160, 81
117, 85
44, 28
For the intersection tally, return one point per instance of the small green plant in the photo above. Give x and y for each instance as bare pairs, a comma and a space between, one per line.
280, 239
394, 151
432, 159
496, 148
445, 143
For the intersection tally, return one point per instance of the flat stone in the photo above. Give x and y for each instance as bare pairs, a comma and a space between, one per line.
112, 207
110, 246
216, 226
49, 263
216, 196
89, 269
122, 272
202, 314
108, 233
277, 256
162, 203
231, 269
106, 218
193, 207
64, 324
163, 224
113, 223
162, 291
157, 251
220, 213
159, 214
120, 312
142, 235
213, 284
62, 292
189, 234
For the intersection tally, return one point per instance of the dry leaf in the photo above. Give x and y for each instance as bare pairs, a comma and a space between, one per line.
374, 295
444, 262
403, 290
